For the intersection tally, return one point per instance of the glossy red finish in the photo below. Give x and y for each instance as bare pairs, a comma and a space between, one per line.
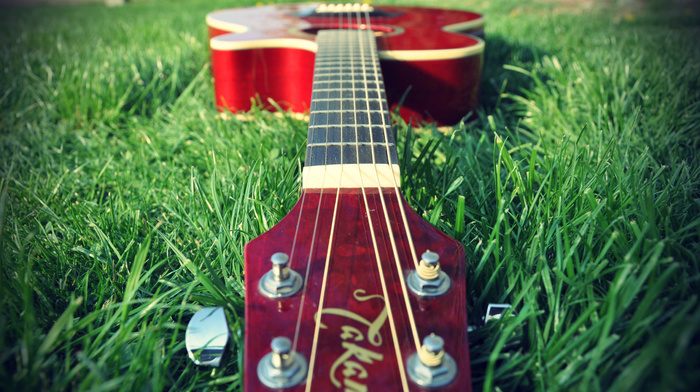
427, 83
263, 74
442, 91
353, 267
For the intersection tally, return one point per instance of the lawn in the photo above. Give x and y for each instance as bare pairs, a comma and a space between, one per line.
126, 200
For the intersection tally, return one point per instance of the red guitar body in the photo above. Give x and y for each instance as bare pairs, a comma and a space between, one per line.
431, 59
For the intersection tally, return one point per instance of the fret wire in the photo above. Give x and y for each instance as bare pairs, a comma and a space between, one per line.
355, 58
335, 71
341, 74
350, 144
362, 126
347, 111
335, 65
362, 84
346, 89
345, 99
329, 79
340, 71
347, 60
366, 84
334, 55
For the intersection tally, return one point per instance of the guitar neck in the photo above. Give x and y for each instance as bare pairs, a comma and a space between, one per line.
350, 140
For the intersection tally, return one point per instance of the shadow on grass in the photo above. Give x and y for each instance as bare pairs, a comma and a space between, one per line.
497, 80
500, 115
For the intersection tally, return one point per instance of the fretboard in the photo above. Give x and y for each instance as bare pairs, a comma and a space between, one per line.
349, 121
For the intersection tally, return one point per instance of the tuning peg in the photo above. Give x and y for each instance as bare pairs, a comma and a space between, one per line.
431, 366
428, 280
283, 367
280, 281
207, 337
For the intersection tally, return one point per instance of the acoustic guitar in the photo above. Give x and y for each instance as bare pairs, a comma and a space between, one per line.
352, 290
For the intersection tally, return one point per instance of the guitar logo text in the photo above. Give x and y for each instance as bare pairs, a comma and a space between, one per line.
352, 360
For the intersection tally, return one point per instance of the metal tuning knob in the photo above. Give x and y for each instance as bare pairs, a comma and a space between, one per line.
207, 337
428, 280
431, 366
283, 367
280, 281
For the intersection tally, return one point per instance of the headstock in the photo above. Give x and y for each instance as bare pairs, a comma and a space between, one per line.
363, 312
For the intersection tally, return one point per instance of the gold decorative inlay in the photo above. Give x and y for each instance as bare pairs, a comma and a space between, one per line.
350, 363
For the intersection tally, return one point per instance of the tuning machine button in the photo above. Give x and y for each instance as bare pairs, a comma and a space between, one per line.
283, 367
280, 281
207, 337
428, 280
431, 366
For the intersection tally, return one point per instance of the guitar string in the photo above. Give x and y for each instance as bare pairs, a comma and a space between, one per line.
310, 258
297, 328
291, 259
404, 218
404, 291
324, 281
384, 288
374, 240
296, 229
370, 36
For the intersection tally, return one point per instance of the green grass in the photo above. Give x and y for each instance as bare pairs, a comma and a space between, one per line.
126, 202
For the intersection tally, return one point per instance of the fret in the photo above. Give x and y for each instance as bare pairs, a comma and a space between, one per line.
345, 40
346, 63
335, 104
350, 111
343, 59
348, 85
329, 118
347, 125
347, 51
336, 100
347, 67
328, 126
343, 56
346, 55
344, 50
341, 72
385, 145
356, 76
349, 134
347, 94
356, 84
351, 154
342, 89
